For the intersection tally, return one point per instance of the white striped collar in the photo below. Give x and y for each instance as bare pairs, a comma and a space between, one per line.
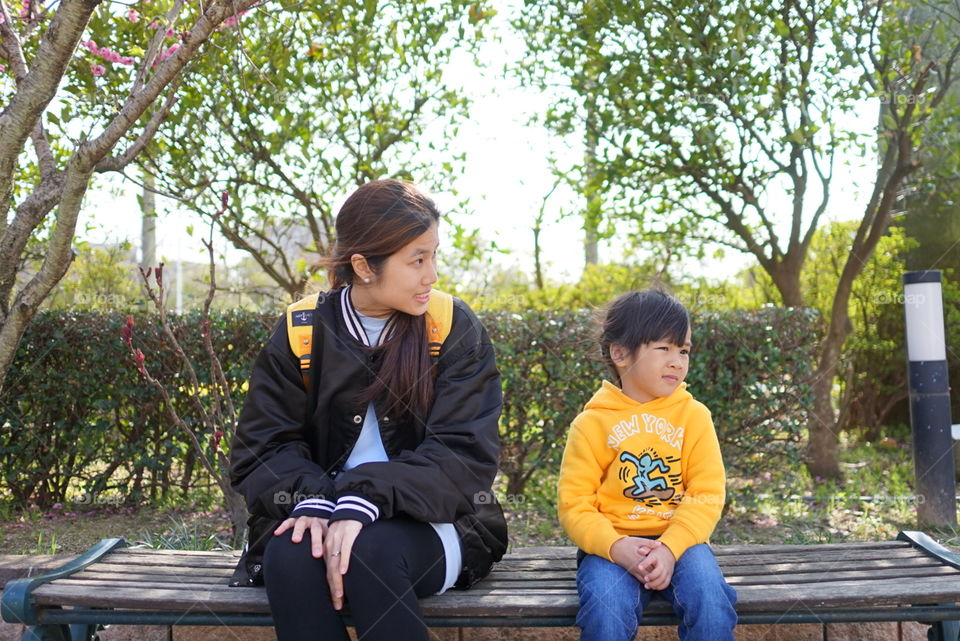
352, 320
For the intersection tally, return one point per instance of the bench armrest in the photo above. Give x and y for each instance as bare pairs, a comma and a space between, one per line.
17, 605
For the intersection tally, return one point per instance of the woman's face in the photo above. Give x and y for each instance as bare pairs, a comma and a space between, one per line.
404, 282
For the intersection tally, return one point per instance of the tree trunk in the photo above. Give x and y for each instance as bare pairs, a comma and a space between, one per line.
66, 189
823, 445
786, 278
516, 481
237, 510
148, 225
592, 182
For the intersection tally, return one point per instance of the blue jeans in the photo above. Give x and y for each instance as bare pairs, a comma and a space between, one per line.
612, 600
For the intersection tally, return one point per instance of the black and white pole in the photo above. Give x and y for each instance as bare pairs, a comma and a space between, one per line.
929, 399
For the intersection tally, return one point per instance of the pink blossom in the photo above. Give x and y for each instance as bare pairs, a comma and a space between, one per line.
98, 70
133, 16
155, 24
3, 68
139, 358
169, 52
25, 11
232, 20
106, 53
2, 19
170, 33
126, 332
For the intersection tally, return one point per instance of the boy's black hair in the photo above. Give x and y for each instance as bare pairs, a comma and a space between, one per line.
642, 317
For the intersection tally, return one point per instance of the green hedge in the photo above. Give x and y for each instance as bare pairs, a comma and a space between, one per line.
749, 368
77, 420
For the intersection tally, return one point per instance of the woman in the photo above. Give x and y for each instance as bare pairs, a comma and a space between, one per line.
375, 473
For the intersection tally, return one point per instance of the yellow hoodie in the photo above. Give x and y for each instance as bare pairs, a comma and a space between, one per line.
642, 469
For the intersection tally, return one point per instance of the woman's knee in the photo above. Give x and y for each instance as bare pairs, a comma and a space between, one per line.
373, 557
285, 558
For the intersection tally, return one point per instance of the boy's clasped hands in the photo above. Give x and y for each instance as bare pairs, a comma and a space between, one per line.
649, 560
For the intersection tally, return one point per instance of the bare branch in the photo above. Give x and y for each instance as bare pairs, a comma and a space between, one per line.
39, 86
149, 59
118, 163
137, 103
16, 235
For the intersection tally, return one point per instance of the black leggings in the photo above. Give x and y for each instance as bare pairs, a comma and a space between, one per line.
393, 562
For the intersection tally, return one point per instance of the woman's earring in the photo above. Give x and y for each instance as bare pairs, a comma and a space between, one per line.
366, 280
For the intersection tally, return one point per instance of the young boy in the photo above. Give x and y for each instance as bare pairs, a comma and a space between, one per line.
642, 482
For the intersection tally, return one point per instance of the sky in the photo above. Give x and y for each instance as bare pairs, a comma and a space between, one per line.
505, 179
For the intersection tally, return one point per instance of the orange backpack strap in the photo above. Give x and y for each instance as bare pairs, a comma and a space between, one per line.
300, 333
439, 321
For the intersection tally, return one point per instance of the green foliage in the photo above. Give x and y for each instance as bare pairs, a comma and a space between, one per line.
116, 42
329, 96
753, 370
69, 435
871, 388
723, 121
750, 368
783, 504
101, 278
78, 423
182, 535
598, 285
546, 361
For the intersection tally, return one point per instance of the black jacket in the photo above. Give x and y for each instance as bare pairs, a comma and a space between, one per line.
291, 443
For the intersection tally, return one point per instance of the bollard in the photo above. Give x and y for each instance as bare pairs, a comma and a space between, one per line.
929, 399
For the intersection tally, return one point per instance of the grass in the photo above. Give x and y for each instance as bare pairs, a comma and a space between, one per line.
62, 531
874, 501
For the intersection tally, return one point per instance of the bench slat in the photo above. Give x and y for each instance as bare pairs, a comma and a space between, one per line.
767, 597
753, 558
568, 551
751, 555
925, 569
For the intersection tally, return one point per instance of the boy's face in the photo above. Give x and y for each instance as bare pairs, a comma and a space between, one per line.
655, 370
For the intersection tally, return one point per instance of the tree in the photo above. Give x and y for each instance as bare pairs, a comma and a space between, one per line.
326, 99
102, 278
871, 375
726, 119
67, 113
212, 416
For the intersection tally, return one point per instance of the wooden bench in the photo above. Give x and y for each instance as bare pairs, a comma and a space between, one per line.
910, 579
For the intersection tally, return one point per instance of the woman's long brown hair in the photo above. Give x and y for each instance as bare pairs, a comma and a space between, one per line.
376, 221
